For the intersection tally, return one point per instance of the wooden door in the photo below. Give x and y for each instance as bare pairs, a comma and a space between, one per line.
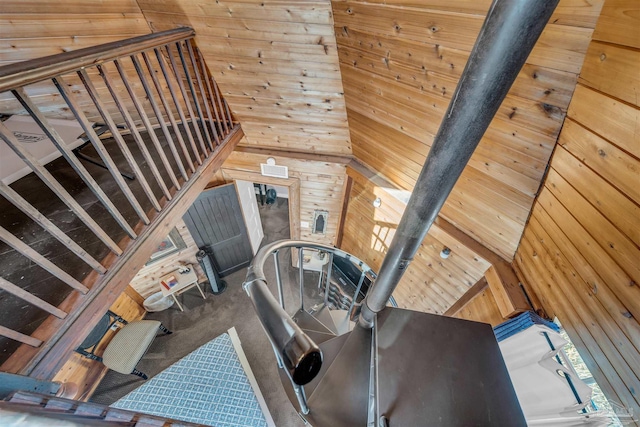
216, 223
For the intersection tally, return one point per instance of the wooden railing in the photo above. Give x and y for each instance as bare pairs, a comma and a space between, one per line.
164, 132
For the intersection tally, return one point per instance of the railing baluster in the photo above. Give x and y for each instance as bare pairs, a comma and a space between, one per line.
158, 113
327, 286
167, 108
278, 279
115, 132
75, 163
192, 88
301, 275
55, 186
194, 120
147, 123
17, 336
17, 291
176, 101
34, 256
212, 96
355, 295
196, 71
131, 125
226, 106
17, 200
101, 150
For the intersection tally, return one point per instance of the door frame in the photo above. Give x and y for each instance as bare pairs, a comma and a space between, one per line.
293, 185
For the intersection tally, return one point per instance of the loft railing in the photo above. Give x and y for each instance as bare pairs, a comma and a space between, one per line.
155, 119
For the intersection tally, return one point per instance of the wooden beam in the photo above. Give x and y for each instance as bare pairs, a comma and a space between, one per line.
348, 183
25, 339
299, 155
473, 291
505, 287
17, 291
62, 337
43, 262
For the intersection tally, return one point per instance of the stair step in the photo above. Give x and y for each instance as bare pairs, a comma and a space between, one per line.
330, 350
318, 337
324, 316
436, 371
341, 397
342, 322
308, 322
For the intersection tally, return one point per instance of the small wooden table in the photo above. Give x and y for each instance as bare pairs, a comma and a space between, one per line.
186, 281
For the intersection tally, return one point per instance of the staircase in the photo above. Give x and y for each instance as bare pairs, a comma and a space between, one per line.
409, 369
395, 367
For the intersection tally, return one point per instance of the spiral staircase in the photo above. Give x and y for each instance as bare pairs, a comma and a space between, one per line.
375, 365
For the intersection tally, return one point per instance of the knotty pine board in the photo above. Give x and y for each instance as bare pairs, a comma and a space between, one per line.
581, 249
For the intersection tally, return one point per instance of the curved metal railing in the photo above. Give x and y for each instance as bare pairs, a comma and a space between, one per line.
294, 350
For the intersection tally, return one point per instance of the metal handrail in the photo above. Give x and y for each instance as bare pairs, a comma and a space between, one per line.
27, 72
293, 348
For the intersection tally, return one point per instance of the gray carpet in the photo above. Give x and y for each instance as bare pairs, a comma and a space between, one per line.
204, 320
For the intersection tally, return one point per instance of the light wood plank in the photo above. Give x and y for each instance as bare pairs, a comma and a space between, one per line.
17, 336
619, 23
34, 256
613, 70
17, 291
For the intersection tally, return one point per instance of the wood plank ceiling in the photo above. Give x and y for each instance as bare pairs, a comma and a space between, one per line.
400, 63
276, 63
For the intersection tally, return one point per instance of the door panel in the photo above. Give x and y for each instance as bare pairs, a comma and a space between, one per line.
249, 204
216, 223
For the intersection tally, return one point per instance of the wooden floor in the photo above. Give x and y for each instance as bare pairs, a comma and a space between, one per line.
14, 267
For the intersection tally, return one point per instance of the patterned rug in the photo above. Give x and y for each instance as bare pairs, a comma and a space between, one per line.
209, 386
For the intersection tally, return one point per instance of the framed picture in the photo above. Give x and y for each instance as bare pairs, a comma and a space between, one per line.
171, 244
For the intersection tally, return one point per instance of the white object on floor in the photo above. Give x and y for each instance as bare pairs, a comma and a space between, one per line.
545, 395
36, 142
157, 302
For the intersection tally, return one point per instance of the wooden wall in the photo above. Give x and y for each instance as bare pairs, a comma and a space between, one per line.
321, 178
431, 284
581, 248
400, 63
276, 63
35, 28
147, 281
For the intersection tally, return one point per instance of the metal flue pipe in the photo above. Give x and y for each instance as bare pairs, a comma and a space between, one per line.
508, 35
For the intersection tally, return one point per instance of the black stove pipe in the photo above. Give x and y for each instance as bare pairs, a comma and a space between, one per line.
508, 35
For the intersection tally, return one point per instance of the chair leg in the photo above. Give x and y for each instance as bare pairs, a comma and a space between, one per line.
164, 329
140, 374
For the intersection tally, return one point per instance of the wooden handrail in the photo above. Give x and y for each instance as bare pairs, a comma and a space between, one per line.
27, 72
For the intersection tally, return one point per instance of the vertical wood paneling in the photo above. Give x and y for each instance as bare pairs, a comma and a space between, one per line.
400, 63
580, 251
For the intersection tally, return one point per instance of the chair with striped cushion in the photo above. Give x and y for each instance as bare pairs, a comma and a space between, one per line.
127, 347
